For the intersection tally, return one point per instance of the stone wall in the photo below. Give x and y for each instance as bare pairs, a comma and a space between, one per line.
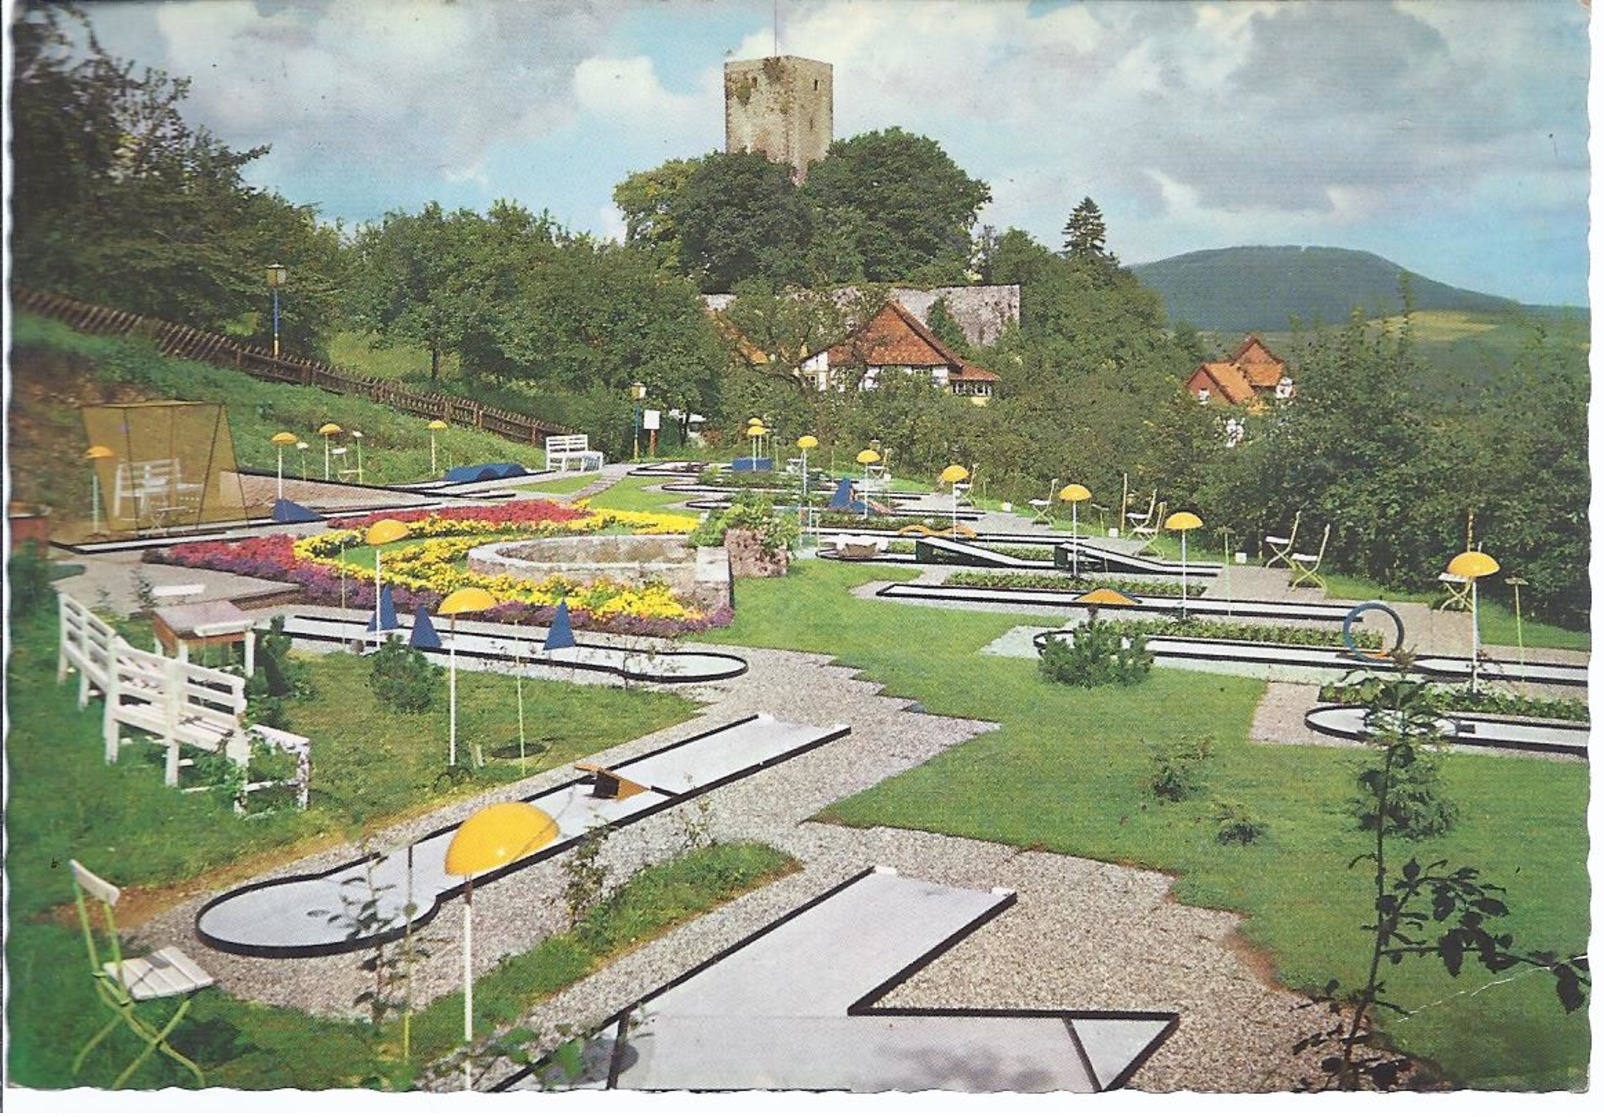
747, 559
782, 107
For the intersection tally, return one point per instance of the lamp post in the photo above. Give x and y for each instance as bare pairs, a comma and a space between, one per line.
755, 430
94, 456
1472, 565
302, 447
434, 425
953, 475
866, 458
380, 533
1520, 640
276, 275
328, 431
1182, 522
490, 838
358, 436
637, 396
1074, 494
805, 443
281, 440
470, 599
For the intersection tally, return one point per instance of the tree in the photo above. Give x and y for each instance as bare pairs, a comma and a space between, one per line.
118, 199
646, 199
1086, 235
739, 217
915, 206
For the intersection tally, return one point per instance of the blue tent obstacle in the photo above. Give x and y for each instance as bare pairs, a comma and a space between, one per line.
288, 512
561, 633
842, 500
384, 619
491, 471
423, 631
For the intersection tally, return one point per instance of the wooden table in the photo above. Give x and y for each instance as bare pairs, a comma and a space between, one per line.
204, 624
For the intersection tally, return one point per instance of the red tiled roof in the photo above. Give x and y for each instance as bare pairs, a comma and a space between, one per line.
1263, 368
967, 371
1222, 379
893, 337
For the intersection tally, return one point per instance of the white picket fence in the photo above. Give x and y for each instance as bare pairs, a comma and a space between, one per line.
183, 704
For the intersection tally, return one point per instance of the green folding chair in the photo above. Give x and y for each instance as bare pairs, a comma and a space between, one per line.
123, 984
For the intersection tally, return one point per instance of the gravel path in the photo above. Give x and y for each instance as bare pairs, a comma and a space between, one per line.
1084, 935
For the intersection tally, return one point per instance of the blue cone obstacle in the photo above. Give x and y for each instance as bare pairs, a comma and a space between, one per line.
288, 512
384, 619
423, 631
561, 634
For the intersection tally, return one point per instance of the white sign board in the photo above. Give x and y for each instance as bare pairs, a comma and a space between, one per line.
651, 420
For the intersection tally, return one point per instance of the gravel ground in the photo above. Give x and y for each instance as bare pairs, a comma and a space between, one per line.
1084, 935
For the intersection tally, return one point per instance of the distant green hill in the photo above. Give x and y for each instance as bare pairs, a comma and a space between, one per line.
1264, 288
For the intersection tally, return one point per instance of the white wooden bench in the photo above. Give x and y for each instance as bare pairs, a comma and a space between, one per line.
156, 489
564, 448
183, 704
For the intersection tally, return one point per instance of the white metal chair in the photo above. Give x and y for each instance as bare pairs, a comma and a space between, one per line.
123, 983
1134, 520
1042, 506
1281, 545
1150, 526
1457, 588
1306, 567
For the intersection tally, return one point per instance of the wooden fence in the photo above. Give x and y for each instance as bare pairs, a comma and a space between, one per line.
215, 349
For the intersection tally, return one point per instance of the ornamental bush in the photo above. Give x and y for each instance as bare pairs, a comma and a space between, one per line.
403, 679
1175, 771
1096, 656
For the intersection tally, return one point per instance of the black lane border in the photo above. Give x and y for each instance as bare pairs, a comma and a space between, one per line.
866, 1004
1041, 599
346, 946
535, 660
1457, 739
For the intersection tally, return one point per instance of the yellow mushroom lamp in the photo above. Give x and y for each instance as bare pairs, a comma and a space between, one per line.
94, 456
279, 441
470, 599
1074, 494
805, 443
953, 475
1182, 522
489, 839
328, 431
1472, 566
378, 534
866, 458
435, 426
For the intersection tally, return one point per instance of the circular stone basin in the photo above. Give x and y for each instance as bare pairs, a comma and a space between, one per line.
700, 574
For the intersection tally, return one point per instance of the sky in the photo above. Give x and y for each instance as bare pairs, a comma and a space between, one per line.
1449, 136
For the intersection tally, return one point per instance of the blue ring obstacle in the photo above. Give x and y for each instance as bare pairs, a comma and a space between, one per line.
1353, 645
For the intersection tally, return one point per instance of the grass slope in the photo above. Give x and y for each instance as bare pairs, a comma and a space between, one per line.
1066, 771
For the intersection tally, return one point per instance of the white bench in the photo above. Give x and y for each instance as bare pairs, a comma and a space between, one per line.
564, 448
185, 705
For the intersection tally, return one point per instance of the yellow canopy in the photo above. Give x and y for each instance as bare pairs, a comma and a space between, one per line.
329, 428
284, 438
1182, 521
95, 453
438, 424
387, 531
806, 442
1104, 596
756, 430
498, 835
1472, 564
953, 474
867, 457
470, 599
1074, 493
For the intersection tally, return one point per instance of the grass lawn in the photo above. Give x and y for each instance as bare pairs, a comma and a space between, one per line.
560, 485
631, 495
1066, 771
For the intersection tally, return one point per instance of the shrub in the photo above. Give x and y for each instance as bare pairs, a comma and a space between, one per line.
29, 573
403, 679
1175, 771
1096, 656
1234, 826
776, 534
1415, 804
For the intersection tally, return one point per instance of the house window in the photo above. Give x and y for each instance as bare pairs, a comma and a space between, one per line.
1203, 395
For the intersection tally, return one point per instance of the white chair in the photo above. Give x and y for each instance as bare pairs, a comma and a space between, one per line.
1306, 567
1041, 506
1147, 531
1281, 545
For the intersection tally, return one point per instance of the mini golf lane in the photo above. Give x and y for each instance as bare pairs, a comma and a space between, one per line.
308, 916
1070, 599
1472, 730
794, 1007
1177, 649
481, 651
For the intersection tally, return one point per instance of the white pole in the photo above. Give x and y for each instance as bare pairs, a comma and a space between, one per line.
467, 987
281, 473
325, 457
1183, 575
1475, 639
378, 594
94, 500
434, 469
452, 760
1074, 542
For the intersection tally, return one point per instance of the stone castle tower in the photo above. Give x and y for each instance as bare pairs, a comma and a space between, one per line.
783, 107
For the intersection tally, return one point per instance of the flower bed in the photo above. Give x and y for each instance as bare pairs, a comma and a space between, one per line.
1000, 580
427, 566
